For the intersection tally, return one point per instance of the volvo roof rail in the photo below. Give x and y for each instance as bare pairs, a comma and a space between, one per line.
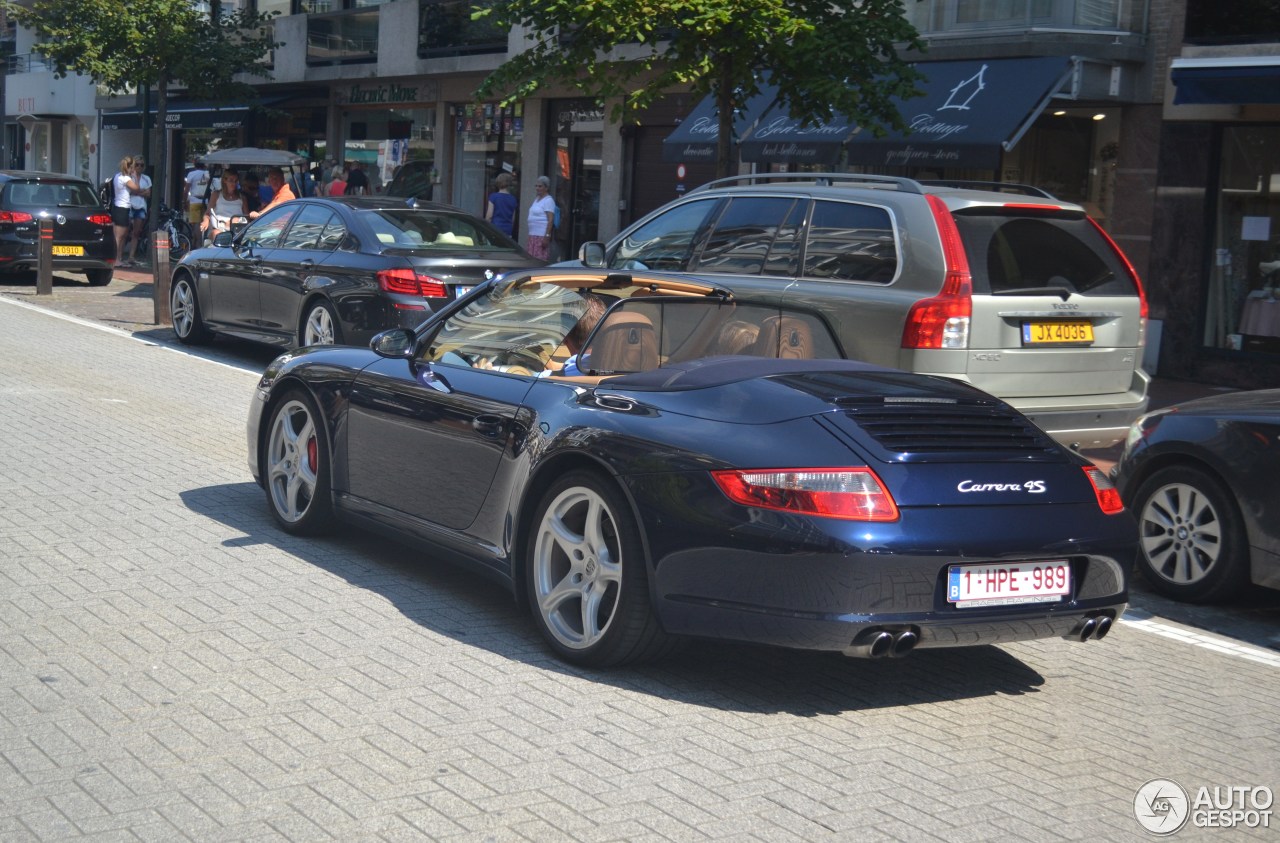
904, 184
1001, 186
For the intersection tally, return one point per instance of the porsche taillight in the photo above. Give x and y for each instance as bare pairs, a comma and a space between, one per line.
407, 282
1106, 492
852, 494
942, 321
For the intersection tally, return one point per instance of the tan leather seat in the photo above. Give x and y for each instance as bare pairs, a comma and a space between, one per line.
626, 342
786, 337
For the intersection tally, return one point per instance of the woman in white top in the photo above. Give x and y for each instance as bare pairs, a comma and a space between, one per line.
122, 189
138, 210
541, 219
226, 204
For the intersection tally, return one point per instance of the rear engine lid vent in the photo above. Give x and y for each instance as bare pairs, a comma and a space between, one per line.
964, 428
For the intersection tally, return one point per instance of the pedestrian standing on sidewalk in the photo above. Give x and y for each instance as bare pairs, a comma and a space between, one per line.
122, 189
138, 209
502, 206
195, 190
540, 220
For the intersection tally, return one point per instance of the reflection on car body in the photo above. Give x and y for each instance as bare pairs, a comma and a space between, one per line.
776, 493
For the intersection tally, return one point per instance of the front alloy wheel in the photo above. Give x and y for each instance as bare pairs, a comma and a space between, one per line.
587, 580
296, 467
184, 311
1193, 547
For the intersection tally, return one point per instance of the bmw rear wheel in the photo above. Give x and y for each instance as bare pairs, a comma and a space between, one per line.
1193, 546
296, 466
586, 576
184, 311
320, 326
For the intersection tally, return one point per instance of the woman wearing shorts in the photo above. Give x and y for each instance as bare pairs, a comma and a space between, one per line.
122, 189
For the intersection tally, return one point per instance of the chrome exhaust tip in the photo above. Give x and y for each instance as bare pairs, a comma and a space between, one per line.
872, 644
1104, 626
1087, 629
903, 644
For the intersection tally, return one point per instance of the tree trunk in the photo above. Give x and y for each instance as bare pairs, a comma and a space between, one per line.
724, 114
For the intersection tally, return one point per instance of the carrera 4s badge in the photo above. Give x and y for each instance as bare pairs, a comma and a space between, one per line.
1033, 487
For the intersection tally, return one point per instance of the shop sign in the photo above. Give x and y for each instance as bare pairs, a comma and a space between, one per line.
388, 93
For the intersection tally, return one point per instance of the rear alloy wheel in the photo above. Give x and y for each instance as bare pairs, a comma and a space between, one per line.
1193, 546
320, 327
587, 581
99, 277
184, 311
296, 467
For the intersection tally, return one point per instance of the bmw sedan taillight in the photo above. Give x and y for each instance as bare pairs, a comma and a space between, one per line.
852, 494
407, 282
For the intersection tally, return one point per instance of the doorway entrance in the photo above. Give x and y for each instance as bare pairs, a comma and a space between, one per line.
574, 164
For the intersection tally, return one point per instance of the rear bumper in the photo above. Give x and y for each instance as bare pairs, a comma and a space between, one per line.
1096, 421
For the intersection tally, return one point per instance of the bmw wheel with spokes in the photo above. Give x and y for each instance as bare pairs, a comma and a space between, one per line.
586, 575
184, 311
1193, 546
320, 326
296, 466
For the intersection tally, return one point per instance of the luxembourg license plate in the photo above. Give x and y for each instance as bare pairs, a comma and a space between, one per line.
1008, 585
459, 291
68, 251
1057, 333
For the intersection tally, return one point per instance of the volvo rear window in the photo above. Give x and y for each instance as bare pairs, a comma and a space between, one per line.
850, 242
1012, 254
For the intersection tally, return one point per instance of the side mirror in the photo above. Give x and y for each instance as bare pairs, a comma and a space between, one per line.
592, 254
395, 344
223, 239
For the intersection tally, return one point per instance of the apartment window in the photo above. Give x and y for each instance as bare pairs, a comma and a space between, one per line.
445, 28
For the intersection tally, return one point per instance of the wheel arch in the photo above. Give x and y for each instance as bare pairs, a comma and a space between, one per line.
543, 476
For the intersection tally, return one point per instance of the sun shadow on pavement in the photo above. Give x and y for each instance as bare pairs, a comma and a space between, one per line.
730, 676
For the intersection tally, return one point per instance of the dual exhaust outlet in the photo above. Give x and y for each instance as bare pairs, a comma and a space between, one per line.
1095, 627
879, 643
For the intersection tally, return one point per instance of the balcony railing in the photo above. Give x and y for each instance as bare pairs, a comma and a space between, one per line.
445, 28
342, 37
976, 17
1237, 22
28, 63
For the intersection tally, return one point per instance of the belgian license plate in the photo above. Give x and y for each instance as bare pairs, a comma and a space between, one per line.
1008, 585
1057, 333
68, 251
459, 291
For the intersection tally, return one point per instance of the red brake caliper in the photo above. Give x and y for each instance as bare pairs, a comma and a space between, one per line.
311, 454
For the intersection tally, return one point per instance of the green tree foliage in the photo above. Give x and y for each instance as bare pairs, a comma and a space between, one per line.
824, 56
151, 43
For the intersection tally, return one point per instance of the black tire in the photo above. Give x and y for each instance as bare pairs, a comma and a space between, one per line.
99, 277
184, 311
1193, 545
571, 564
296, 468
319, 325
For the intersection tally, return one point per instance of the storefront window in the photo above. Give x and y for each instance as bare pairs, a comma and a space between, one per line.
383, 141
82, 151
487, 142
1243, 310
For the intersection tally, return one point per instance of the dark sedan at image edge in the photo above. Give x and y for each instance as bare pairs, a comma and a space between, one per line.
641, 457
1203, 479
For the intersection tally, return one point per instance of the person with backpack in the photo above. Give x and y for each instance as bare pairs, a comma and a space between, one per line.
540, 222
137, 212
123, 187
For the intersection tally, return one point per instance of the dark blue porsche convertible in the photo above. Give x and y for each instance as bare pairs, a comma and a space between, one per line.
641, 457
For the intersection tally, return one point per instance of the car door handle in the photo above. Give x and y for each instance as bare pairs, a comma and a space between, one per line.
491, 426
306, 263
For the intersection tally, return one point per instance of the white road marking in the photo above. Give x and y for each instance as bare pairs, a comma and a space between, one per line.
1208, 641
88, 323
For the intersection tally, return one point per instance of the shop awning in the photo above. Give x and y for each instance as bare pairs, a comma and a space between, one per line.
695, 139
181, 114
1234, 80
970, 113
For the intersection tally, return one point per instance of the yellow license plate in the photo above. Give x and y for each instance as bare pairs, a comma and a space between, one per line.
1057, 333
68, 251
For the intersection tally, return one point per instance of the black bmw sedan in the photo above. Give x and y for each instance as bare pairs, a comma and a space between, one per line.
83, 240
336, 271
640, 457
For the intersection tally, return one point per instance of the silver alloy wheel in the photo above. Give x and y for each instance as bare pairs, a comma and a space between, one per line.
1181, 533
183, 308
577, 568
293, 461
319, 327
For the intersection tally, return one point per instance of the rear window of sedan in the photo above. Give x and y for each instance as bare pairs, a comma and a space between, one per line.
411, 228
44, 194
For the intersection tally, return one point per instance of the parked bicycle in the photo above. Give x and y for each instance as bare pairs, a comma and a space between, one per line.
172, 222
